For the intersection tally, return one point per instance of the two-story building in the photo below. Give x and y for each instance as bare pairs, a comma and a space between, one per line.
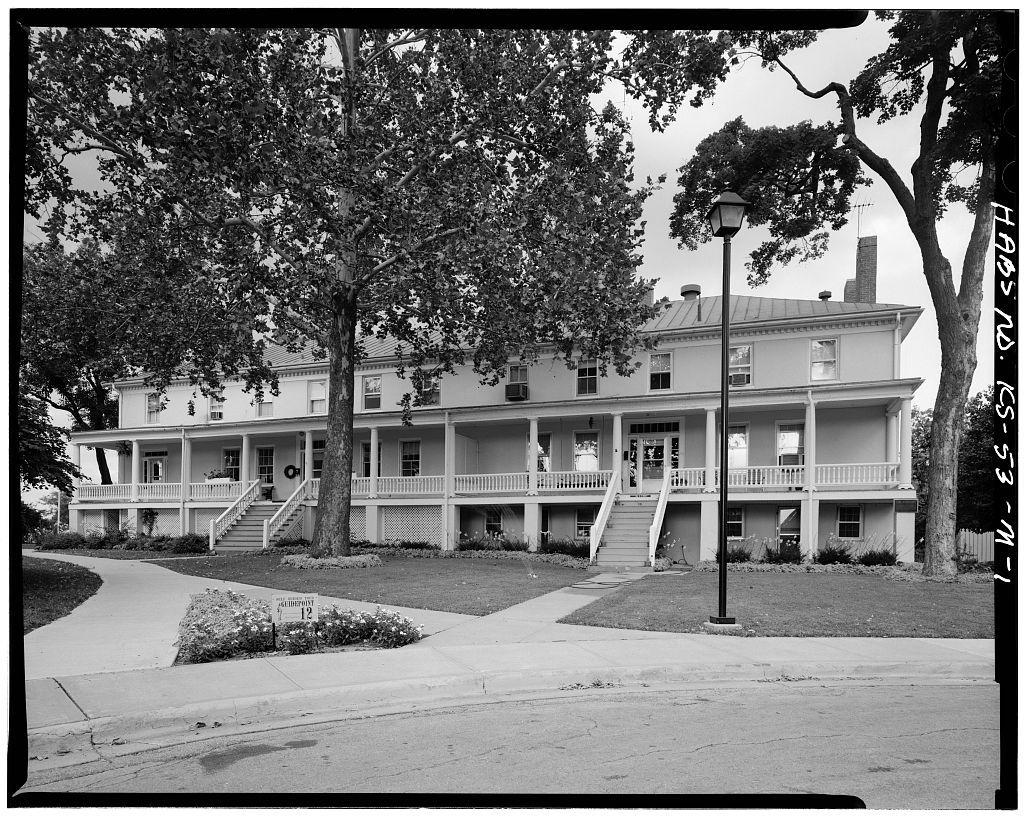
819, 442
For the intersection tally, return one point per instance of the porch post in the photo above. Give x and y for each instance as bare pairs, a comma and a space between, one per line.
531, 524
448, 526
186, 479
708, 529
76, 455
906, 432
136, 469
810, 444
531, 460
374, 445
618, 446
709, 452
892, 435
308, 469
246, 456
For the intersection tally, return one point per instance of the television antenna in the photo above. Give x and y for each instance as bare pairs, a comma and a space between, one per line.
859, 208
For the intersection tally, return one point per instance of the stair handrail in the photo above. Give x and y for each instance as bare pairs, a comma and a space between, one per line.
271, 526
597, 529
659, 515
235, 510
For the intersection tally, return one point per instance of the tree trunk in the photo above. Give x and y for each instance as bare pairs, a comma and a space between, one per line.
101, 461
331, 536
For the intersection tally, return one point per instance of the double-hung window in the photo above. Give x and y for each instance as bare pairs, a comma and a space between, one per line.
410, 458
585, 521
517, 373
371, 391
265, 408
492, 522
791, 444
739, 366
366, 459
734, 522
154, 405
265, 465
849, 522
585, 451
233, 463
824, 360
430, 390
586, 377
216, 408
318, 397
318, 457
661, 371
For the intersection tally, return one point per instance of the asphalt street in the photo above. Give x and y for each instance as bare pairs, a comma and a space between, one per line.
895, 745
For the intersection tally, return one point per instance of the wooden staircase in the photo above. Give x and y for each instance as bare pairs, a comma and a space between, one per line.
626, 540
247, 531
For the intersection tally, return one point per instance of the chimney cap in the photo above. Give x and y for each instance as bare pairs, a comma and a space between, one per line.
689, 291
825, 294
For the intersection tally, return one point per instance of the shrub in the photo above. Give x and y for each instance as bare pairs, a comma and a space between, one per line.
834, 553
578, 548
411, 545
190, 543
219, 624
304, 562
69, 540
479, 543
787, 552
391, 629
298, 637
341, 627
155, 543
304, 544
518, 545
95, 541
877, 557
734, 554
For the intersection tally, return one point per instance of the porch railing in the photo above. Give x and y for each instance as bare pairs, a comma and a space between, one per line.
597, 529
215, 490
573, 480
159, 490
515, 482
766, 476
410, 485
659, 516
122, 490
273, 525
684, 479
361, 486
237, 508
865, 473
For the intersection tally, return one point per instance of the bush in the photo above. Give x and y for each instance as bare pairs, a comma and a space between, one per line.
788, 552
339, 628
219, 624
411, 545
578, 548
479, 543
877, 557
734, 554
834, 553
304, 562
189, 543
304, 544
298, 637
69, 540
517, 545
391, 629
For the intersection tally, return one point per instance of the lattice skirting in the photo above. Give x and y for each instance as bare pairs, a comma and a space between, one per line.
412, 523
201, 519
356, 525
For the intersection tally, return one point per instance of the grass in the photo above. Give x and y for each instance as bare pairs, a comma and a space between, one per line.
127, 554
472, 586
51, 589
799, 604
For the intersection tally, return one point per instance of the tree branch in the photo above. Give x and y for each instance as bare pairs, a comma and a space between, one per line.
414, 37
972, 275
405, 253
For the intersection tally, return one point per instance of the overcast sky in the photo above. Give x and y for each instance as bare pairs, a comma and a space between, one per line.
769, 98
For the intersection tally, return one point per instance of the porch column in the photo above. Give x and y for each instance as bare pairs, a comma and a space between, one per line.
186, 479
136, 469
531, 462
76, 455
617, 448
74, 519
892, 435
531, 524
709, 453
448, 525
809, 526
373, 523
810, 444
308, 469
374, 445
246, 456
708, 529
906, 433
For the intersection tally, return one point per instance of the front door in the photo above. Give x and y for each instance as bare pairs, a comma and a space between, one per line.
154, 469
647, 463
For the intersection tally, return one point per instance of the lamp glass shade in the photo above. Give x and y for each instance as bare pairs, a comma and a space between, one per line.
726, 215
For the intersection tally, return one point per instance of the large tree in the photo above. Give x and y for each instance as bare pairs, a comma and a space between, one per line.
453, 190
42, 449
942, 70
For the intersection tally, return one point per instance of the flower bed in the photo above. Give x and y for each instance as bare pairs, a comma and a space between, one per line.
437, 553
123, 540
897, 573
306, 562
220, 625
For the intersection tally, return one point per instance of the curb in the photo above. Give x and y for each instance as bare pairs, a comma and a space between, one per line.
82, 741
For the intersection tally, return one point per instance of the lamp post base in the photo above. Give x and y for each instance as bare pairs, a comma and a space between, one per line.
722, 624
722, 619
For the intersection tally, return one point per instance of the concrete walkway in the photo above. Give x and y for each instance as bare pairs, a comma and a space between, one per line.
100, 681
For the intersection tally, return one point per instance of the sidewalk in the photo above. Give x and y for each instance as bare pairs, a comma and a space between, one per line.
520, 651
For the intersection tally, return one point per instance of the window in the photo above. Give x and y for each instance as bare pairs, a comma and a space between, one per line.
318, 397
734, 523
791, 444
265, 408
233, 463
265, 465
492, 522
154, 405
584, 522
318, 457
518, 374
789, 525
586, 377
849, 522
430, 393
371, 391
154, 466
410, 458
824, 365
739, 366
216, 408
661, 371
585, 453
543, 452
366, 459
737, 446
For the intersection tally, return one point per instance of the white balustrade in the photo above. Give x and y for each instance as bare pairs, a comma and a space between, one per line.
515, 482
862, 473
573, 480
273, 525
215, 490
597, 529
159, 490
360, 486
687, 479
95, 493
410, 485
765, 476
314, 488
234, 511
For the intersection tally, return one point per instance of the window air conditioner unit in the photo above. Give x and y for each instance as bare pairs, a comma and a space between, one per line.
517, 391
741, 379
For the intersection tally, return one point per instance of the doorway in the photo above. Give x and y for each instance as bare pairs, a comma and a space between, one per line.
649, 456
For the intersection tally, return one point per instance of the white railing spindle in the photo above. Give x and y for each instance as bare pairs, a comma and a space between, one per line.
237, 508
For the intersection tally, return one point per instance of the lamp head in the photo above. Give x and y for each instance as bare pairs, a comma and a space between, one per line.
726, 214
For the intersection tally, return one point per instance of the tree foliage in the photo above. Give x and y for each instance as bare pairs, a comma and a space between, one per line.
42, 456
976, 486
454, 190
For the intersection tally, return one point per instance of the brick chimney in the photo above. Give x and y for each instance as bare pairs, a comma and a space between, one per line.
862, 288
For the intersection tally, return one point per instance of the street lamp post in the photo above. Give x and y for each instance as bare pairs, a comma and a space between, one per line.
726, 218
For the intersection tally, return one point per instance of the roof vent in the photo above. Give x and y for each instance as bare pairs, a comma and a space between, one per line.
690, 291
824, 295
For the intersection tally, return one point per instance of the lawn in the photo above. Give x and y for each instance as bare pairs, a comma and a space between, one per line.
52, 589
472, 586
799, 604
126, 554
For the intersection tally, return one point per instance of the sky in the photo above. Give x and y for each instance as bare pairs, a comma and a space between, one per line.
770, 98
